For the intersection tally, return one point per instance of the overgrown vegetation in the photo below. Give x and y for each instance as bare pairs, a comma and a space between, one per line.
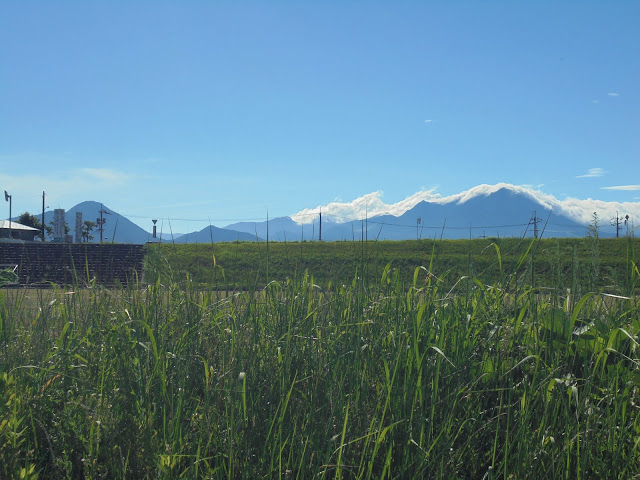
383, 373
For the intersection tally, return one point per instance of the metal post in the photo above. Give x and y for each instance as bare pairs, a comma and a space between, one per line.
43, 215
7, 198
101, 221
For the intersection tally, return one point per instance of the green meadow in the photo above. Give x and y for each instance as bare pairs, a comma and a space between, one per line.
493, 358
582, 264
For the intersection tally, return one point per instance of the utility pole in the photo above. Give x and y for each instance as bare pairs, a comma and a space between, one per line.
534, 220
366, 225
615, 222
267, 247
7, 198
626, 222
320, 237
101, 221
43, 215
418, 221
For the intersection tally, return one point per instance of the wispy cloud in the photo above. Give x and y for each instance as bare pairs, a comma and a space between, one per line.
613, 94
183, 204
106, 175
593, 172
428, 121
629, 188
63, 186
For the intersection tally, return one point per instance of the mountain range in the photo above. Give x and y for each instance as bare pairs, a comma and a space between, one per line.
503, 212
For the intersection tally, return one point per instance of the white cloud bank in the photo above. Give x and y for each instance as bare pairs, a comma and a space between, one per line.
371, 204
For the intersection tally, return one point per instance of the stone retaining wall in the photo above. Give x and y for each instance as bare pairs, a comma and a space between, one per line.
71, 264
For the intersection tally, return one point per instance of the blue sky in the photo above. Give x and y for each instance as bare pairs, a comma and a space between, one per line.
220, 111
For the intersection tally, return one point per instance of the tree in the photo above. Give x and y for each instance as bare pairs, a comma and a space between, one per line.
34, 222
87, 228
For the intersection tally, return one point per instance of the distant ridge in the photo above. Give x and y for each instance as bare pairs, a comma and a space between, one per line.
215, 234
119, 229
500, 210
504, 212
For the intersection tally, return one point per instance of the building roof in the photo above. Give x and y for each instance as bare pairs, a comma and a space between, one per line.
5, 224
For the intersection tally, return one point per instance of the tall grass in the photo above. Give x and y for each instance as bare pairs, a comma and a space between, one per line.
427, 378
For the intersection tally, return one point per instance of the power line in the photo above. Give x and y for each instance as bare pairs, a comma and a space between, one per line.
450, 227
337, 219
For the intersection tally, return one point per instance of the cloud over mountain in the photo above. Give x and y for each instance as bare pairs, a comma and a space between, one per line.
372, 204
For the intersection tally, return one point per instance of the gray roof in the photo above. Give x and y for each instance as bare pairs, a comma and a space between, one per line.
5, 224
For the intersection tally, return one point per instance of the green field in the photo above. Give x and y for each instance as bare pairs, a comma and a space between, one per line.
342, 360
579, 264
